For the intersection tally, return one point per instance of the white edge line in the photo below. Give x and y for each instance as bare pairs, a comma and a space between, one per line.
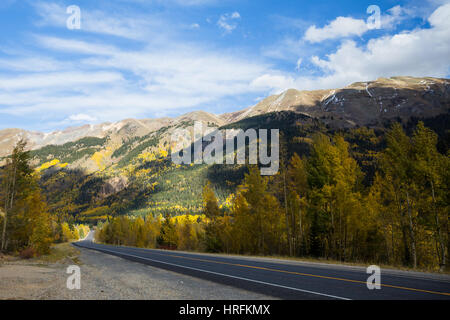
225, 275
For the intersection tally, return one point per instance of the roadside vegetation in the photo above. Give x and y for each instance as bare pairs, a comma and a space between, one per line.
60, 252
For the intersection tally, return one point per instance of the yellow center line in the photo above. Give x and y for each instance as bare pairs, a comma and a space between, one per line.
302, 274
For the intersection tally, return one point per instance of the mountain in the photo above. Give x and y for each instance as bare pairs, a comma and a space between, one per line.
92, 171
118, 131
359, 104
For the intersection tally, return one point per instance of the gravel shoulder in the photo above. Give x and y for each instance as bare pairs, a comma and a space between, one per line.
106, 277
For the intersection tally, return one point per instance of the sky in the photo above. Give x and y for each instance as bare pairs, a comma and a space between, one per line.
157, 58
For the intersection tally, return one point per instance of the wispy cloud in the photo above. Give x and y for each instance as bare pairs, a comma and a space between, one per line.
126, 25
136, 83
57, 79
33, 64
228, 22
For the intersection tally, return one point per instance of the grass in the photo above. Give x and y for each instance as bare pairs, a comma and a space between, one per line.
60, 252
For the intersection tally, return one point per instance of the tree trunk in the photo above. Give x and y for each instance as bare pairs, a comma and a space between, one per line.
438, 230
8, 191
340, 235
300, 244
406, 257
288, 229
392, 241
332, 236
5, 220
344, 254
411, 232
446, 227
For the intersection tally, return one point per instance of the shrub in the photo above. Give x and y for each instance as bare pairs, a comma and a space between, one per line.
27, 253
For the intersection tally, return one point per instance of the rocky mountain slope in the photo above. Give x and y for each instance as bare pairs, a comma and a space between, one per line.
361, 103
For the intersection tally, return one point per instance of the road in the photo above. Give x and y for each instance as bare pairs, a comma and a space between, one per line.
287, 279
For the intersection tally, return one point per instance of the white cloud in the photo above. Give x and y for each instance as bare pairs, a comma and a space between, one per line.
338, 28
396, 15
344, 27
419, 52
440, 18
226, 21
82, 117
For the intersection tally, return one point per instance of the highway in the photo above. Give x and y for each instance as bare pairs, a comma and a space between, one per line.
287, 279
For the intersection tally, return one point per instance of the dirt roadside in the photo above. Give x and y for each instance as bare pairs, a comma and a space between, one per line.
104, 277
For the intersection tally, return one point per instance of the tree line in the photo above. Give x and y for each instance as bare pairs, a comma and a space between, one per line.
26, 224
318, 206
184, 232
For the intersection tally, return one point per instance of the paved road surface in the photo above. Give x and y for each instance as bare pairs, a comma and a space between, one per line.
287, 279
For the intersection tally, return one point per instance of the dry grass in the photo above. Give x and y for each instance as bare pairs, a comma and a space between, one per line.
59, 253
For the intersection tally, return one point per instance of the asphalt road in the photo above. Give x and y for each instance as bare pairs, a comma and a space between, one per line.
287, 279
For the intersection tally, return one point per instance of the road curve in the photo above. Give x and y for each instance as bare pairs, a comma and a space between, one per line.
286, 279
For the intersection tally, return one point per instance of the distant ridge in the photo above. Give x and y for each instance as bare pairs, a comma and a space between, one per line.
361, 103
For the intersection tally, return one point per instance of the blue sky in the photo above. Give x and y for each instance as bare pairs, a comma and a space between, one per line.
155, 58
